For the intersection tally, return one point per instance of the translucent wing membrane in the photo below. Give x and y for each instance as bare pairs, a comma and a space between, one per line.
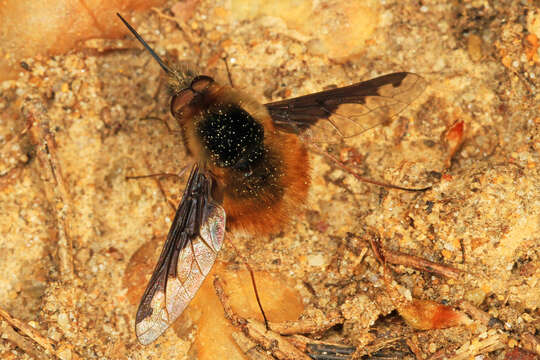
191, 248
348, 111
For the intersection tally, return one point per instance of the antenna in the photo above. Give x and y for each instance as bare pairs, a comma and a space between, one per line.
150, 50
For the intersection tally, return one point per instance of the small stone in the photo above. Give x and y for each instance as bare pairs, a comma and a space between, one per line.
63, 321
316, 260
475, 47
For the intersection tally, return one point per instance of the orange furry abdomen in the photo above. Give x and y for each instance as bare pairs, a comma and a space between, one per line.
263, 213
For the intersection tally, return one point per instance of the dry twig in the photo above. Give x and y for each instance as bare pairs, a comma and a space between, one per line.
399, 258
250, 348
51, 173
412, 343
482, 344
27, 330
307, 326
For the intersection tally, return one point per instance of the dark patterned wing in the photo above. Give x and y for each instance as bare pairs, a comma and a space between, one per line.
191, 248
348, 111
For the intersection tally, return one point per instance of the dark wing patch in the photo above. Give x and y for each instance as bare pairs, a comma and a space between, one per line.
348, 110
191, 248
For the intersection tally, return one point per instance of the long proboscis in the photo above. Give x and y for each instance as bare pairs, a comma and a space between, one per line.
145, 44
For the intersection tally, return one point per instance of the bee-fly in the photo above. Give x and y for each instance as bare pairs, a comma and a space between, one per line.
251, 172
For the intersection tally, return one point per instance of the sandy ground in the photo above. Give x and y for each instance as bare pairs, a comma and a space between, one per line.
79, 240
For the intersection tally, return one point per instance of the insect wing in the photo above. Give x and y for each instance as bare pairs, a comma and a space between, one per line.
348, 110
195, 237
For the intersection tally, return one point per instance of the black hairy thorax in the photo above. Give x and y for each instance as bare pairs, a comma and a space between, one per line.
234, 140
232, 137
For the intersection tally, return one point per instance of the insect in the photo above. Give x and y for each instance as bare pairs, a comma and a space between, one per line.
251, 174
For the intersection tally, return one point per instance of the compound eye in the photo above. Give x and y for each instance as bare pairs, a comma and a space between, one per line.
201, 83
180, 101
